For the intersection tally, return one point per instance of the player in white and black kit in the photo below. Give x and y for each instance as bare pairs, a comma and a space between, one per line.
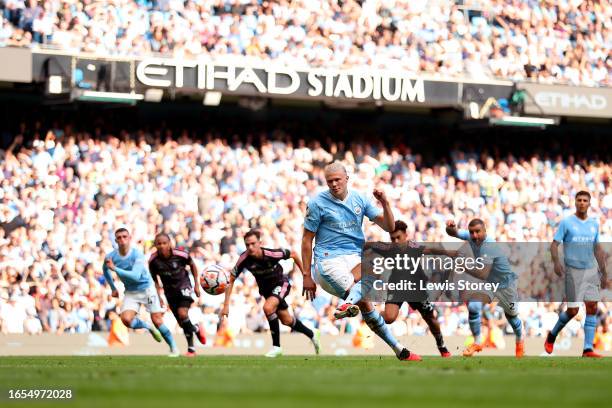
170, 266
273, 285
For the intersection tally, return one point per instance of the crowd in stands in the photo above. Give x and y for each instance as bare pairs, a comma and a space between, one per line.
64, 194
551, 41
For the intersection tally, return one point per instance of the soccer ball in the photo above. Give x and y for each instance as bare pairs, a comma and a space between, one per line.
214, 280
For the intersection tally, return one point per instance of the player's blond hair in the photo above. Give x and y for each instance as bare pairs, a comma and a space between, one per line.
335, 167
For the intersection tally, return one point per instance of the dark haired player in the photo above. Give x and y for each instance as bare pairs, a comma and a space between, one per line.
425, 308
579, 235
170, 266
273, 285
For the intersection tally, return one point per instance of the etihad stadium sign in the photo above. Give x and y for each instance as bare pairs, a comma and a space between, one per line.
247, 77
567, 100
276, 80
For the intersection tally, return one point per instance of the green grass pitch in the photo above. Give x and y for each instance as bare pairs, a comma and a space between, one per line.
374, 381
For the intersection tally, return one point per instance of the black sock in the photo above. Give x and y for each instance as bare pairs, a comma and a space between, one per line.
435, 331
188, 329
274, 329
439, 339
298, 326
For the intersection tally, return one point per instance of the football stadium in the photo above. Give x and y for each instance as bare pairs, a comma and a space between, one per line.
305, 202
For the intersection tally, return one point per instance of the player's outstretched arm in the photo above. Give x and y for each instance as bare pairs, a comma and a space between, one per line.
441, 251
480, 273
309, 286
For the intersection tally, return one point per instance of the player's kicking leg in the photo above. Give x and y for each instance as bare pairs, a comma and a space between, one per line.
130, 319
338, 277
356, 292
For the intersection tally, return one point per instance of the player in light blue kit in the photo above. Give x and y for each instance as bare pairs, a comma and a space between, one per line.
496, 270
579, 235
334, 218
130, 266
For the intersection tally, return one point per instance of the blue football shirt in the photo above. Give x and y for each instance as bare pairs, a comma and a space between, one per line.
578, 238
492, 254
131, 270
337, 224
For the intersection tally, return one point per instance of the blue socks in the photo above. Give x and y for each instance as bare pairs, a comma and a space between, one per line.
139, 324
517, 326
563, 319
167, 336
474, 311
377, 324
359, 290
355, 294
590, 324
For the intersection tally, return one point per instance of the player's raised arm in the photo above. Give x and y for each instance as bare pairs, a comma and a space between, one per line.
309, 286
386, 221
451, 228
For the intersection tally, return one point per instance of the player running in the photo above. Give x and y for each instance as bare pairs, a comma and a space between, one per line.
425, 308
274, 286
335, 218
170, 266
496, 270
580, 237
129, 265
